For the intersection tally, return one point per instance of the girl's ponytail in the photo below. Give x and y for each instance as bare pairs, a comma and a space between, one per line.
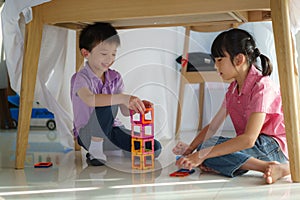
266, 65
235, 41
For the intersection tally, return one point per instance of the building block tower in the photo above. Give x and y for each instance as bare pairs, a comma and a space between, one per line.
142, 139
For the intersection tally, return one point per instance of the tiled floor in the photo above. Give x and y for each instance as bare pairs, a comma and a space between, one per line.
71, 178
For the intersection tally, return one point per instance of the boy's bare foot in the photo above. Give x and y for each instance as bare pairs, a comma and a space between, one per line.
276, 171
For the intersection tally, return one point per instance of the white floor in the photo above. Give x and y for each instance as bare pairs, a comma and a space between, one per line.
71, 178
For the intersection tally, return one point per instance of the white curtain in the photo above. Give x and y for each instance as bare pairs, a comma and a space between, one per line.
146, 59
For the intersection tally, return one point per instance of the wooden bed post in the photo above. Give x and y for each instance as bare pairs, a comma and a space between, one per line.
288, 75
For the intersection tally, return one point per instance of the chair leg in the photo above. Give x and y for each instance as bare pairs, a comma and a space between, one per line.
201, 104
179, 107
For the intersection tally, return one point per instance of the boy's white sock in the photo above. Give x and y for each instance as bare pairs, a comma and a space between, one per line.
96, 150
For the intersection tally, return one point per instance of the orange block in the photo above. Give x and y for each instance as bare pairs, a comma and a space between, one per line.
147, 118
142, 161
142, 146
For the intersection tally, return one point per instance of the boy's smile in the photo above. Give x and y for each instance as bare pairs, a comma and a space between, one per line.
102, 57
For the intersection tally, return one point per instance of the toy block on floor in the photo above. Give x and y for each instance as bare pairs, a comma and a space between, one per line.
143, 178
142, 161
142, 139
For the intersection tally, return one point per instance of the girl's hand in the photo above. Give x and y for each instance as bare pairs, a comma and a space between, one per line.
188, 151
191, 161
180, 148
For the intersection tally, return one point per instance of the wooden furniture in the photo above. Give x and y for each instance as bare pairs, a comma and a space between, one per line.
192, 77
206, 15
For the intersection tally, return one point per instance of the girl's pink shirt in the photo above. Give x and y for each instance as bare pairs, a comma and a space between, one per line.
259, 94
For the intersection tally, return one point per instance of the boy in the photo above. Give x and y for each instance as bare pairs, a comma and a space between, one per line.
96, 94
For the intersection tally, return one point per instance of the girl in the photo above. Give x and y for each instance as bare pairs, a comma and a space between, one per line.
254, 104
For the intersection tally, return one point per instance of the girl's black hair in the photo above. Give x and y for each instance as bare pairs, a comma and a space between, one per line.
236, 41
91, 35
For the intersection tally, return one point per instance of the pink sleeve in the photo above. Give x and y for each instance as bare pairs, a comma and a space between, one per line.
265, 99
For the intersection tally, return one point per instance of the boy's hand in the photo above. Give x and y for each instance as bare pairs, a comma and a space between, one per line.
147, 104
136, 104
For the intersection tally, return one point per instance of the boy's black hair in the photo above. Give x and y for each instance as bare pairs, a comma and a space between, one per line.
93, 34
235, 41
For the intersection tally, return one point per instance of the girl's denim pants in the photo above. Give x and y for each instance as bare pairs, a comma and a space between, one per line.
266, 148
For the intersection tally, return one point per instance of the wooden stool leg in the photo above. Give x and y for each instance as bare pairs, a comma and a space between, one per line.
183, 80
179, 107
201, 104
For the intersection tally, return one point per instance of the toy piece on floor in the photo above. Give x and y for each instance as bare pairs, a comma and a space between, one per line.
142, 139
43, 165
182, 173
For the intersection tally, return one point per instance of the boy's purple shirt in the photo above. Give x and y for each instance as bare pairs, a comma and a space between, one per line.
86, 78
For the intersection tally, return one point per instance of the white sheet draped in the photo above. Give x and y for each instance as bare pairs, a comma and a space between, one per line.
146, 59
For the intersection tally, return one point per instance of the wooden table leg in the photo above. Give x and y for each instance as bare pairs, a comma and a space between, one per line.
288, 76
33, 38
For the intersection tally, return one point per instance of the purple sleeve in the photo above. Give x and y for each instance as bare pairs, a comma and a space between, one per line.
78, 81
119, 85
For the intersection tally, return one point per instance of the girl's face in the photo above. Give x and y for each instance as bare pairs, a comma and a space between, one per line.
225, 67
102, 56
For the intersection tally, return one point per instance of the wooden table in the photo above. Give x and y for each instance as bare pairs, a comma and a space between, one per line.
201, 14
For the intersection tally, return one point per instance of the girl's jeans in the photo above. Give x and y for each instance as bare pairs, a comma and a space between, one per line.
265, 148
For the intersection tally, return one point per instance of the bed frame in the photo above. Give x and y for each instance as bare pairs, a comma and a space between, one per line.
200, 15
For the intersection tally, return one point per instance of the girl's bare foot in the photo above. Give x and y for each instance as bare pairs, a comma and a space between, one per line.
276, 171
207, 169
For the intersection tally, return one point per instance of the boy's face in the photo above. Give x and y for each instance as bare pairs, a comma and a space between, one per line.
102, 56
